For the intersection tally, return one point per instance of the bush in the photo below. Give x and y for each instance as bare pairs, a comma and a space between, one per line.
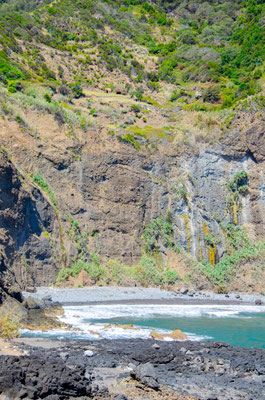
77, 91
9, 328
212, 94
158, 232
171, 276
187, 37
151, 273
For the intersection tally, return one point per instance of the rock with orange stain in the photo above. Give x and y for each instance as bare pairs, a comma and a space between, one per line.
176, 335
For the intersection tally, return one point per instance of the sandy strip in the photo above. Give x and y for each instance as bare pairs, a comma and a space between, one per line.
9, 349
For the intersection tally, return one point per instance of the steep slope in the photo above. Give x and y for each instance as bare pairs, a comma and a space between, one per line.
134, 129
27, 256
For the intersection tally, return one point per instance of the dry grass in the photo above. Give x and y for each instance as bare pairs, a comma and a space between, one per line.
9, 327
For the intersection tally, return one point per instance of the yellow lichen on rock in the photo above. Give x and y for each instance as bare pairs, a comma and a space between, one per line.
211, 248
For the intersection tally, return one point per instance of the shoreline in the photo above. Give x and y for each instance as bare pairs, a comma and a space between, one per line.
137, 295
177, 301
135, 369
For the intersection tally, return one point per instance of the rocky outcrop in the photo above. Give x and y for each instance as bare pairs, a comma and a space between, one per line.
135, 369
38, 377
26, 222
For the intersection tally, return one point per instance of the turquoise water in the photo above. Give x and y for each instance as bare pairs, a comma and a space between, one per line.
245, 330
237, 325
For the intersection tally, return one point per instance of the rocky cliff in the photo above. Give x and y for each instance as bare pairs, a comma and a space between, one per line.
26, 255
112, 191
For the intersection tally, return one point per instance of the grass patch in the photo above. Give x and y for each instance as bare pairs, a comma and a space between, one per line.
41, 182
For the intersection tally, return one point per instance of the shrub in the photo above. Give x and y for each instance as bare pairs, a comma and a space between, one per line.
187, 37
9, 328
158, 232
135, 108
212, 94
151, 272
171, 276
77, 91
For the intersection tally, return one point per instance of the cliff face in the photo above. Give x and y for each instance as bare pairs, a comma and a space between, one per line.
26, 254
122, 191
113, 191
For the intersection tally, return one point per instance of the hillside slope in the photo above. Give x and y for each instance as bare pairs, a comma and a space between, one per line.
135, 134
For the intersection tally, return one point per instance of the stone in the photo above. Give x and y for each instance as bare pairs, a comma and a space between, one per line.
178, 335
258, 302
89, 353
156, 335
185, 291
30, 289
146, 374
31, 303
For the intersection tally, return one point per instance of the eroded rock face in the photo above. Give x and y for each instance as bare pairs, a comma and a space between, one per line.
26, 255
113, 191
122, 192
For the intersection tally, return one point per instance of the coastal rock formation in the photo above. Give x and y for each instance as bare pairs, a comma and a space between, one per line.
114, 192
134, 369
26, 254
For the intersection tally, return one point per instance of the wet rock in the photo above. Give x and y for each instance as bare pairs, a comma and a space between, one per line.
258, 302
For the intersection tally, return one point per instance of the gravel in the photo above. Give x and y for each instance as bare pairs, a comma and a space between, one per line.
122, 294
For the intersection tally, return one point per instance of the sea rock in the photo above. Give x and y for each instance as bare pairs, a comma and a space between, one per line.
258, 302
176, 335
156, 335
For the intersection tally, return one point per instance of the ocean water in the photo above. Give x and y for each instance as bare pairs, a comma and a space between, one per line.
238, 325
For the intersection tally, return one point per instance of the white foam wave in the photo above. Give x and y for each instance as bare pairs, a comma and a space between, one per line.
88, 321
73, 314
101, 331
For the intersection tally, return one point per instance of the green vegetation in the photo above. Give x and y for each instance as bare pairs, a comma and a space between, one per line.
223, 272
240, 250
147, 272
41, 182
216, 44
158, 232
9, 327
237, 187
